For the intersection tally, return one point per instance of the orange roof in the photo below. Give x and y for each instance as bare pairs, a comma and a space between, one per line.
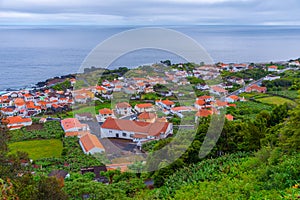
152, 129
70, 123
7, 109
200, 102
144, 105
100, 88
218, 89
229, 117
140, 84
232, 105
147, 115
273, 67
105, 111
204, 97
27, 95
90, 141
181, 108
123, 105
17, 120
234, 97
55, 106
43, 103
122, 166
19, 102
30, 104
76, 133
256, 87
221, 103
167, 102
204, 113
80, 96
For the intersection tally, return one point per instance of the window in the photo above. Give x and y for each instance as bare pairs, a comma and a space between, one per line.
124, 134
110, 132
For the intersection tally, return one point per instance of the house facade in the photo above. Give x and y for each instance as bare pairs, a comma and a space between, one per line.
144, 107
123, 108
73, 124
17, 122
90, 144
135, 130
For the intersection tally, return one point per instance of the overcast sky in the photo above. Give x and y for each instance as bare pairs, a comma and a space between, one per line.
150, 12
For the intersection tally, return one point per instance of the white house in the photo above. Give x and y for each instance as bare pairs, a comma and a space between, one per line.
17, 122
135, 130
272, 68
123, 108
144, 107
104, 114
165, 103
232, 98
90, 144
271, 77
218, 90
28, 97
73, 124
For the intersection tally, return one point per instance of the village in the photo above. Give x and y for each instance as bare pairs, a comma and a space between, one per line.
147, 119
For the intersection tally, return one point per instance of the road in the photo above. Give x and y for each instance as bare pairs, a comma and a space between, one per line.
237, 92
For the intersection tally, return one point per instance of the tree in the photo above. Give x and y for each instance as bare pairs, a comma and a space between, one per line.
289, 138
49, 188
7, 190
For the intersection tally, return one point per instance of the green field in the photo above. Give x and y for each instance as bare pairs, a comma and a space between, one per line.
275, 100
38, 149
287, 93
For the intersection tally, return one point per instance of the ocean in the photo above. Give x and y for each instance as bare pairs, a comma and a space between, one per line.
29, 54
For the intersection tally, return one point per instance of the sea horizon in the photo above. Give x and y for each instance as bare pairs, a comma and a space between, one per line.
33, 53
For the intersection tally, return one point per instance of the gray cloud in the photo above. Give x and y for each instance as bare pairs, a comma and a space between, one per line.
150, 12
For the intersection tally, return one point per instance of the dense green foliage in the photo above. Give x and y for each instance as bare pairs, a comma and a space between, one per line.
50, 129
72, 158
62, 86
255, 74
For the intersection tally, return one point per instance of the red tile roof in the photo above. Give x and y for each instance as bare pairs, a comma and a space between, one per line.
90, 141
152, 129
105, 111
204, 97
273, 67
76, 133
100, 88
220, 103
234, 97
204, 113
27, 95
200, 102
70, 123
123, 105
144, 105
19, 102
7, 109
218, 89
181, 108
167, 102
147, 115
229, 117
17, 120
